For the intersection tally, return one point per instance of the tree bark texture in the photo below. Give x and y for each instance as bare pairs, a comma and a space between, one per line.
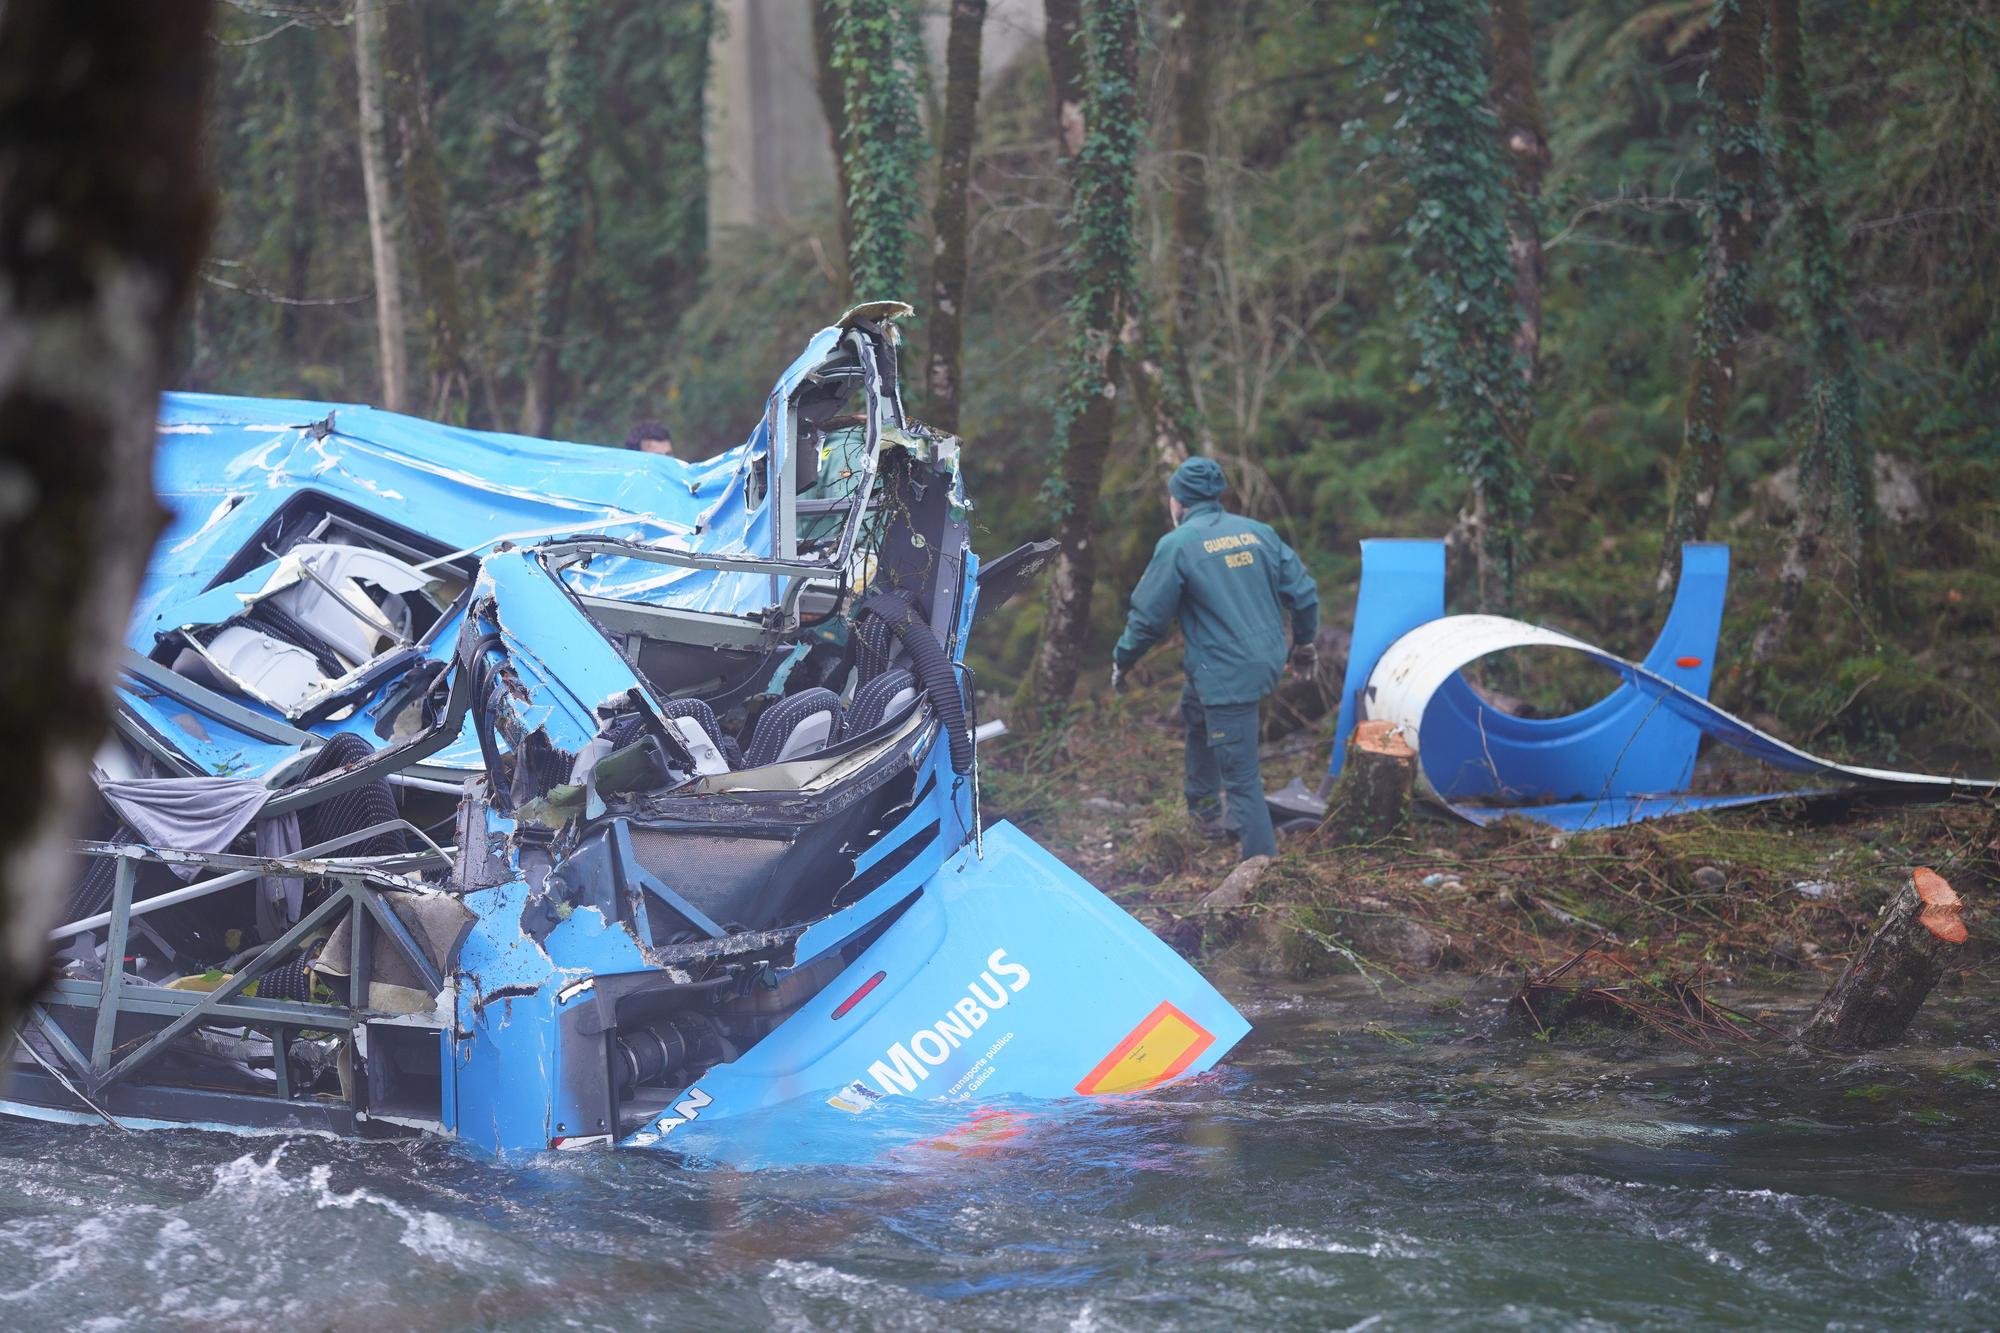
1734, 93
1104, 260
1875, 1000
1527, 144
1156, 372
1062, 35
371, 24
1156, 350
558, 209
833, 105
440, 302
1832, 521
1440, 60
1371, 800
303, 195
878, 55
1197, 60
103, 220
948, 218
683, 159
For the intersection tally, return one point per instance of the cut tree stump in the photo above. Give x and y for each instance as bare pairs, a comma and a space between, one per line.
1371, 801
1876, 998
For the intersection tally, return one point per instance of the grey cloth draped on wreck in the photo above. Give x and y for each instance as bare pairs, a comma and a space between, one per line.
205, 814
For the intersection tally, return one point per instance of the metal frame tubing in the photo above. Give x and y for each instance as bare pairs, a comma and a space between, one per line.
357, 894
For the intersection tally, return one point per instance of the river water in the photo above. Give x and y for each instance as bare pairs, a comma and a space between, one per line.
1360, 1163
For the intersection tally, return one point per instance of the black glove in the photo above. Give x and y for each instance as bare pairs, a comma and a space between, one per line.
1305, 660
1117, 679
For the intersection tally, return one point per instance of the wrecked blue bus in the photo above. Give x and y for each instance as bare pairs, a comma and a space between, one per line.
539, 795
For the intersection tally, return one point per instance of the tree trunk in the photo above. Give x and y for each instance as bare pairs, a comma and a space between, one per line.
1062, 34
1439, 62
1734, 89
690, 27
1197, 58
1522, 131
1371, 801
948, 219
302, 195
1149, 362
558, 210
833, 105
392, 356
878, 56
1154, 346
451, 389
1156, 373
102, 224
1104, 253
1086, 445
1876, 998
1834, 470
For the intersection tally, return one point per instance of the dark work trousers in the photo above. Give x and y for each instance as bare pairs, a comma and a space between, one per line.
1222, 758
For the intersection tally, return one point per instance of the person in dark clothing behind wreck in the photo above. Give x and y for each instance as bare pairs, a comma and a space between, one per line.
1233, 584
650, 437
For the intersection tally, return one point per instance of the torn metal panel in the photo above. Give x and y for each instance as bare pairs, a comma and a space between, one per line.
1629, 756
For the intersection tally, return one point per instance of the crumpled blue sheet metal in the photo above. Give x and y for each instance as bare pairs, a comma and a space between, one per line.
1626, 758
225, 466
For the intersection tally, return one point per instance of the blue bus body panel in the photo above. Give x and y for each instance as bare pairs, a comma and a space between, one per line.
1009, 981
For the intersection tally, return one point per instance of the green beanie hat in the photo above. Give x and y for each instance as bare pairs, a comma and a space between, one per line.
1196, 480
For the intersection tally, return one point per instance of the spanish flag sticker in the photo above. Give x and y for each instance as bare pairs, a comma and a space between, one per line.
1167, 1042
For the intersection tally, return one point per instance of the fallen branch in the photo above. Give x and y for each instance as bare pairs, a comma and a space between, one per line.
1674, 1007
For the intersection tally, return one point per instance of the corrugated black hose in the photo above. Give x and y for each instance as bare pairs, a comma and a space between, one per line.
933, 668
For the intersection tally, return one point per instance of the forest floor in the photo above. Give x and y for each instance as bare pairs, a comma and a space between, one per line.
1775, 898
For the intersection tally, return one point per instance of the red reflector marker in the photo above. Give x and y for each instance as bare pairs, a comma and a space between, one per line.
840, 1010
1687, 661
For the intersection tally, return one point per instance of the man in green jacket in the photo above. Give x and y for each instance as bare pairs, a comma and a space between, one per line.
1233, 584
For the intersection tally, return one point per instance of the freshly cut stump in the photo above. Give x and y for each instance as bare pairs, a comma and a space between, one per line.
1372, 799
1876, 998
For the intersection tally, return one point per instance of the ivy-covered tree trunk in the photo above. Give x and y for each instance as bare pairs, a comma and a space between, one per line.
833, 105
948, 218
557, 208
452, 385
1733, 91
1832, 522
1527, 142
371, 26
878, 54
1156, 348
102, 224
1459, 244
1062, 36
1103, 258
689, 29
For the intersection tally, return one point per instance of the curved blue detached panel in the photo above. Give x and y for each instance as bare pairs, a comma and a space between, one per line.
1627, 757
1625, 744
